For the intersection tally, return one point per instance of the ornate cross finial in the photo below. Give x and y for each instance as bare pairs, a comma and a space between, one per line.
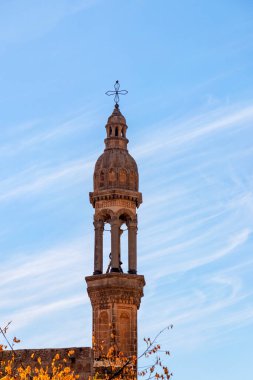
116, 93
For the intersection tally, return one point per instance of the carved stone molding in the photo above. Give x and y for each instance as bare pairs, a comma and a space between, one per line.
108, 296
115, 202
115, 288
113, 194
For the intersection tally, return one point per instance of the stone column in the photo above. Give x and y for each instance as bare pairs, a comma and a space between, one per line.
132, 247
120, 262
98, 247
115, 236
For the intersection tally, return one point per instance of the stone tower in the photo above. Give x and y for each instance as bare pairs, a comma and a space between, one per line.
115, 293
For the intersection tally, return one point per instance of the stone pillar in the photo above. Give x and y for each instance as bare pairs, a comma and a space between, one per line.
120, 262
115, 236
132, 247
98, 247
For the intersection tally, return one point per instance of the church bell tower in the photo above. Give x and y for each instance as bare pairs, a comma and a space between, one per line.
115, 291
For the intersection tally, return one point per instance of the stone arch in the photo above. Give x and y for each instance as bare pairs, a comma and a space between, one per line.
105, 215
125, 214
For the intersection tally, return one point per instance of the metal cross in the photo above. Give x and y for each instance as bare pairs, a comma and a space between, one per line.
116, 93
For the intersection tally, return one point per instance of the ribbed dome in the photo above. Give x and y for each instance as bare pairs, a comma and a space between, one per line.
116, 168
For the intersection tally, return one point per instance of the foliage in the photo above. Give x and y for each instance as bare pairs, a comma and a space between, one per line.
57, 371
110, 365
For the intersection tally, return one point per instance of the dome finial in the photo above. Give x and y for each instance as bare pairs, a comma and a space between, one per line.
116, 93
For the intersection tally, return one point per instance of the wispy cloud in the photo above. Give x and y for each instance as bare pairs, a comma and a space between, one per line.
31, 134
174, 136
35, 181
34, 286
195, 238
210, 308
38, 310
235, 242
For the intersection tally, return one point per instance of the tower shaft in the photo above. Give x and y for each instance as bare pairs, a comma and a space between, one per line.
115, 293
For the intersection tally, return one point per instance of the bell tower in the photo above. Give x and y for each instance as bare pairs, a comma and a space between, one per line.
115, 291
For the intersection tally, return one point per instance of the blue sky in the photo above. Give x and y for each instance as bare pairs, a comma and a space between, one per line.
188, 68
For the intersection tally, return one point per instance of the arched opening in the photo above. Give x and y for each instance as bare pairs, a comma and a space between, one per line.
110, 131
102, 240
123, 240
116, 131
128, 240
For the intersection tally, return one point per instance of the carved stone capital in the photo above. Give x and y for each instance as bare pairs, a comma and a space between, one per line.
98, 225
132, 224
115, 221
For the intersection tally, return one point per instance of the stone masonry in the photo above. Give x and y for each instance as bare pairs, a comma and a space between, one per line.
81, 362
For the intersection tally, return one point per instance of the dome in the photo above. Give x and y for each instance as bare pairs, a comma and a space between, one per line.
117, 169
